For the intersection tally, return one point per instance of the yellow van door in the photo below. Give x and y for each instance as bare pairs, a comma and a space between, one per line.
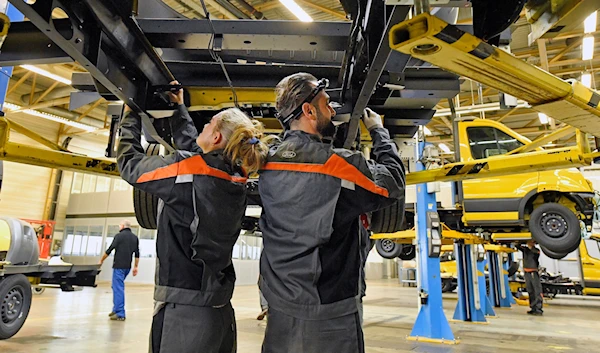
493, 201
589, 251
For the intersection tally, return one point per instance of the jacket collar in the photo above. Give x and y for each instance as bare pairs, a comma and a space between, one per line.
301, 135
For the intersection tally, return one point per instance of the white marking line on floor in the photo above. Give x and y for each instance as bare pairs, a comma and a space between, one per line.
83, 315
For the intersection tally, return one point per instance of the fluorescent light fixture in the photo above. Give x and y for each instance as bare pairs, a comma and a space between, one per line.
427, 131
444, 148
587, 50
543, 118
589, 25
48, 74
296, 10
586, 80
52, 117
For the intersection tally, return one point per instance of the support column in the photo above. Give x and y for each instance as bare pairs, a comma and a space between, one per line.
486, 306
469, 306
431, 324
499, 289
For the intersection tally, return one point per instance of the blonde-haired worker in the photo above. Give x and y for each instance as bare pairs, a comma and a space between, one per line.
203, 200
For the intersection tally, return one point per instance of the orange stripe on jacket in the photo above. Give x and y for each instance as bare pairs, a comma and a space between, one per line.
335, 166
193, 165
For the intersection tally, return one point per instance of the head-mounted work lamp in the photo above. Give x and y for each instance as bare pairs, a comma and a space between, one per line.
322, 84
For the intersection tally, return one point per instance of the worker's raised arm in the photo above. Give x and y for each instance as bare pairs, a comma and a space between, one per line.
153, 174
184, 131
381, 181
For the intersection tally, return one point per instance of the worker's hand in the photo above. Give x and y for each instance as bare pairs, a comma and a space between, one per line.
135, 270
371, 119
176, 98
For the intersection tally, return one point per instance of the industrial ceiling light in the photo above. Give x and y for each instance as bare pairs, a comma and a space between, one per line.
427, 131
52, 117
48, 74
296, 10
589, 25
543, 118
586, 80
444, 148
587, 50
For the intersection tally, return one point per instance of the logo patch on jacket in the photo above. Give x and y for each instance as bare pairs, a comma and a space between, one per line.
288, 154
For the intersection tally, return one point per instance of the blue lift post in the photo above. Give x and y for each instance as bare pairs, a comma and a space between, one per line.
6, 72
499, 289
511, 299
431, 324
470, 305
488, 308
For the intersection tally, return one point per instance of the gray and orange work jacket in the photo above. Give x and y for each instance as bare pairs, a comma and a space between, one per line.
202, 203
312, 198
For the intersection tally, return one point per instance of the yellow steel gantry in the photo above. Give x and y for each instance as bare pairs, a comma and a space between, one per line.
429, 38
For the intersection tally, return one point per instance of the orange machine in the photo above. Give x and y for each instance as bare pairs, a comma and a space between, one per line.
45, 231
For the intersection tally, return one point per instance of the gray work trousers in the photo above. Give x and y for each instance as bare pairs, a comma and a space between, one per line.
287, 334
534, 289
193, 329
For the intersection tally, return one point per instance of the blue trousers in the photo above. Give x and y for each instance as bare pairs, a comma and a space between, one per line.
118, 288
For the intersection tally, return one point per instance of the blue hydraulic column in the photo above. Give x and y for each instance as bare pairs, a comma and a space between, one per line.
486, 304
6, 72
431, 324
510, 299
499, 289
469, 306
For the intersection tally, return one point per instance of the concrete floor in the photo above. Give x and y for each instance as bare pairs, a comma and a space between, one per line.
78, 322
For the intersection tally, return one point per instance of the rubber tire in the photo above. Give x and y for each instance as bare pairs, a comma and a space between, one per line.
554, 255
389, 219
391, 254
566, 243
38, 290
21, 284
145, 205
409, 252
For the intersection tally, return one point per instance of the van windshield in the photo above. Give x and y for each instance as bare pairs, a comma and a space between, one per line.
488, 141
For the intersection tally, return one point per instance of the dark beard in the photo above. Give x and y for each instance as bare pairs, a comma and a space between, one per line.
324, 126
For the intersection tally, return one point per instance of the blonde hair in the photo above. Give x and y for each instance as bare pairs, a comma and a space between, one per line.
244, 146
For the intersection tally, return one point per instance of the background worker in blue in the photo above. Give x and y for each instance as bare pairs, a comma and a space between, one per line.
531, 264
312, 198
125, 244
203, 201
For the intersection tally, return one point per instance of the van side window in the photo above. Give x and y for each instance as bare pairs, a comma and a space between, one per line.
593, 248
488, 141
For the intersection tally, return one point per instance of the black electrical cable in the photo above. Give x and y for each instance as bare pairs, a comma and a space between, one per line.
216, 56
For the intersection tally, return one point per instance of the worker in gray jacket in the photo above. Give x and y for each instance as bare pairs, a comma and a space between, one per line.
312, 198
531, 264
202, 203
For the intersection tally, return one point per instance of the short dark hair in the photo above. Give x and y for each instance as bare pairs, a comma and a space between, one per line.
292, 91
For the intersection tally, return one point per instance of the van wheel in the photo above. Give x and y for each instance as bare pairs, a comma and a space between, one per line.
389, 219
554, 255
555, 227
408, 252
145, 205
388, 249
15, 302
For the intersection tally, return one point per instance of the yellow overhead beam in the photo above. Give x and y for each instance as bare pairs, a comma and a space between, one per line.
428, 38
550, 159
219, 98
19, 153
